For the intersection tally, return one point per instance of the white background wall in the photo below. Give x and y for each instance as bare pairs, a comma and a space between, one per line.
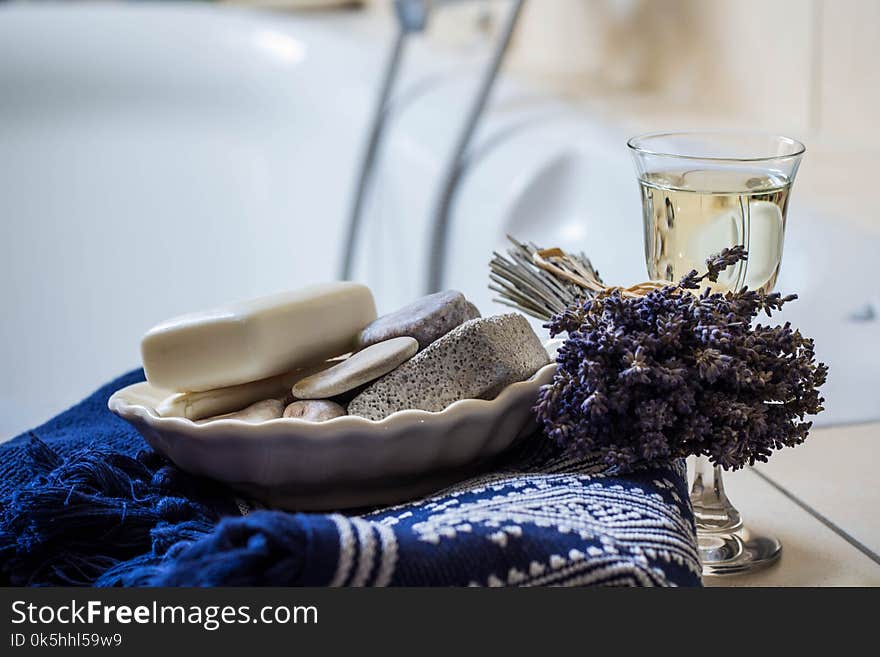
808, 65
806, 68
799, 66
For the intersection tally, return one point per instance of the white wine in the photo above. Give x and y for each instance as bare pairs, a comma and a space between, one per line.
691, 214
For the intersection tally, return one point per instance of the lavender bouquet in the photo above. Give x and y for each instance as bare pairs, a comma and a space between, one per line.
655, 372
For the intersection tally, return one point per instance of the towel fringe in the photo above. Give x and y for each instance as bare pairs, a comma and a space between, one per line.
101, 518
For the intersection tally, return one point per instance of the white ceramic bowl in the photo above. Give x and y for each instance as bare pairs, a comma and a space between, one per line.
345, 462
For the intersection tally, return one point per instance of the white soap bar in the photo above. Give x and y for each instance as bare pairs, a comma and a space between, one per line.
257, 339
208, 403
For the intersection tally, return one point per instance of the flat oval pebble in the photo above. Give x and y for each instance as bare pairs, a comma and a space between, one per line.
360, 368
473, 361
314, 410
426, 319
268, 409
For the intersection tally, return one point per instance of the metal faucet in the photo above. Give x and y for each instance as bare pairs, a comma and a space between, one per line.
412, 17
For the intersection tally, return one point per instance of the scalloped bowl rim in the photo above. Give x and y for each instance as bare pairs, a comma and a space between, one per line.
125, 408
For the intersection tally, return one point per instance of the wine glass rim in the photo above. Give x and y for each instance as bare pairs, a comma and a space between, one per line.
798, 148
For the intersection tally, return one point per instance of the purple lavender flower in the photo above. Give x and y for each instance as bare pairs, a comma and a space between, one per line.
670, 374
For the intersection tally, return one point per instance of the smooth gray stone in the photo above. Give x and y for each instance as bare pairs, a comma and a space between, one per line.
473, 361
314, 410
426, 319
360, 368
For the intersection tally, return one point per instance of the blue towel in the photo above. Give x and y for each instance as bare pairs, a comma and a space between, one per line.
84, 501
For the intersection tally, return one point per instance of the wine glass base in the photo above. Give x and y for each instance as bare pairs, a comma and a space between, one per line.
723, 553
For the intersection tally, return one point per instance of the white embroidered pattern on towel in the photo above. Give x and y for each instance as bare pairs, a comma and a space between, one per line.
574, 526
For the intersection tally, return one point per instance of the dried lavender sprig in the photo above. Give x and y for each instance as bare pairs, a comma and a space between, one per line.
715, 264
644, 379
522, 284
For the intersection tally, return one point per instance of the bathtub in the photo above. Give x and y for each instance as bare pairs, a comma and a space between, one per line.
155, 160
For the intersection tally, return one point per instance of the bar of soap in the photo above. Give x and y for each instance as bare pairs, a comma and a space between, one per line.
256, 339
207, 403
476, 360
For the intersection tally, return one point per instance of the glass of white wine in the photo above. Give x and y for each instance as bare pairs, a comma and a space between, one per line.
702, 192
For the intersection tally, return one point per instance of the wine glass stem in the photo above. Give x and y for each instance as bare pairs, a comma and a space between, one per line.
713, 511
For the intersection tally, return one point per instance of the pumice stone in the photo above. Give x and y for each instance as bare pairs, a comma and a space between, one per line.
256, 339
473, 361
360, 368
426, 319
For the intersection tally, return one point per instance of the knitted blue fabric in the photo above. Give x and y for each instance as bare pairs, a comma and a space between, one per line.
84, 501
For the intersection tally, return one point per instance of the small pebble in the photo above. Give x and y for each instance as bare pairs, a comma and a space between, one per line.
314, 410
360, 368
473, 361
426, 319
268, 409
